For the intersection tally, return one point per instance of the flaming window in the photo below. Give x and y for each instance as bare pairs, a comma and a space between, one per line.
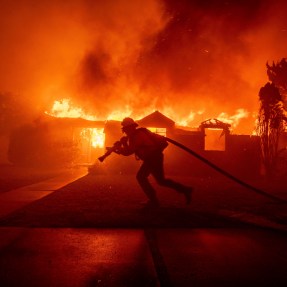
95, 136
159, 131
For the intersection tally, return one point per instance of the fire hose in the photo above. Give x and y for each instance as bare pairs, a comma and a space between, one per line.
209, 163
225, 173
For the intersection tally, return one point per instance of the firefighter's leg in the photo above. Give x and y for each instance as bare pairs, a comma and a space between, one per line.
158, 172
142, 178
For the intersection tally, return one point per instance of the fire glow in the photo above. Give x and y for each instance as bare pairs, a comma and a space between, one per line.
64, 109
95, 136
123, 58
234, 119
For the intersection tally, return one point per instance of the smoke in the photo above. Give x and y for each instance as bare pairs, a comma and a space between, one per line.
182, 57
123, 31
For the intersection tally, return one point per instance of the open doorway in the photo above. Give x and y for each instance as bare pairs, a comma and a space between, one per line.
214, 139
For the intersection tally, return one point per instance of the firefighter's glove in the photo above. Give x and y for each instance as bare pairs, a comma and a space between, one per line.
117, 148
124, 140
117, 144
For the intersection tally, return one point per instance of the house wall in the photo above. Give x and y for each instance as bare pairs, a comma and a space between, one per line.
61, 144
241, 157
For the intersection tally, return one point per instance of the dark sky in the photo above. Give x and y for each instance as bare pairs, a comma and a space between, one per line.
192, 60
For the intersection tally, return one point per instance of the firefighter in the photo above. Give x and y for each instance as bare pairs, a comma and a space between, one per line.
148, 147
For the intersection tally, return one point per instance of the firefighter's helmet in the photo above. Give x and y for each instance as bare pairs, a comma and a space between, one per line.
127, 122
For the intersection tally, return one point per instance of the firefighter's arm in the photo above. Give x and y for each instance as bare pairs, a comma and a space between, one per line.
123, 148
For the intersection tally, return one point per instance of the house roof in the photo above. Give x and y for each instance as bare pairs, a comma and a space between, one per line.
156, 119
215, 123
71, 122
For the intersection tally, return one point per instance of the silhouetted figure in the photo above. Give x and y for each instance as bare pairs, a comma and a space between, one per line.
148, 147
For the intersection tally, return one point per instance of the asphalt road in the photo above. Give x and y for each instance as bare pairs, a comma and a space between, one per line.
94, 232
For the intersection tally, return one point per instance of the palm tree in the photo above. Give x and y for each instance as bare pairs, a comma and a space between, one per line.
270, 125
277, 74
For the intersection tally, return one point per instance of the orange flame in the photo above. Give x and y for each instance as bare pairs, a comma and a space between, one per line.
64, 108
96, 136
234, 119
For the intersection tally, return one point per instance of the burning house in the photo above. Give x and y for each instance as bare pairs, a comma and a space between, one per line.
77, 141
56, 141
138, 62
